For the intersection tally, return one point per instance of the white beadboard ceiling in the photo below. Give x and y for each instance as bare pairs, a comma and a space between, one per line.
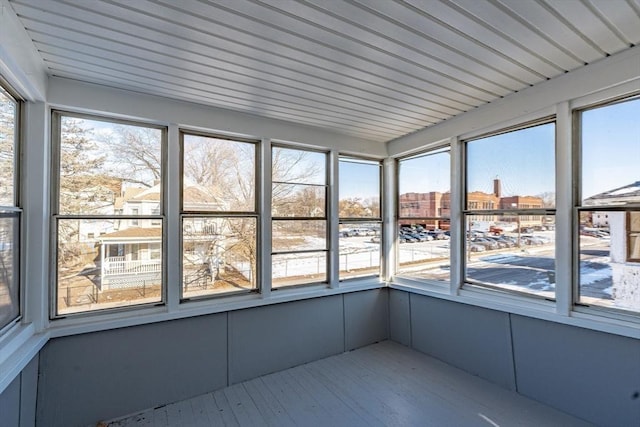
376, 69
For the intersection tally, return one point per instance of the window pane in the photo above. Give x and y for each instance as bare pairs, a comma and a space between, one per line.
359, 189
105, 264
298, 166
109, 168
424, 208
424, 186
9, 267
298, 269
514, 170
218, 255
423, 250
298, 200
610, 152
219, 174
8, 116
299, 235
610, 259
512, 252
359, 250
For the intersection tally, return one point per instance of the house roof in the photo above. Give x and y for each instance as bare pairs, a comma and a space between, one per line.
629, 193
134, 233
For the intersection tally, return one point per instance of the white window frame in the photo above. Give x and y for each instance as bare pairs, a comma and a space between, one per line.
447, 146
195, 214
15, 209
55, 217
465, 282
361, 220
329, 238
581, 309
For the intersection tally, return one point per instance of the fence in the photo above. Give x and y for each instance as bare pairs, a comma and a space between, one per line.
117, 265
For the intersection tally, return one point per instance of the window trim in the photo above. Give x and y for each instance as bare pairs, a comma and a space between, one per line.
255, 213
442, 147
326, 218
362, 220
16, 207
56, 116
601, 99
466, 282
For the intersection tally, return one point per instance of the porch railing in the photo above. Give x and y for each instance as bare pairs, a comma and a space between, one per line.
116, 266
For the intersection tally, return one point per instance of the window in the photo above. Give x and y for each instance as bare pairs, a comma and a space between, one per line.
109, 182
360, 228
219, 216
510, 211
609, 210
10, 213
424, 209
299, 217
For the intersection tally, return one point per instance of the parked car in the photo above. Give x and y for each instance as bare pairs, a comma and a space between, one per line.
486, 242
474, 247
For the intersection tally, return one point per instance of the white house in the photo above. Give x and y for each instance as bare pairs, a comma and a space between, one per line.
624, 229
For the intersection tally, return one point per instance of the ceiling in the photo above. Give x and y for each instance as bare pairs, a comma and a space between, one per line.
376, 69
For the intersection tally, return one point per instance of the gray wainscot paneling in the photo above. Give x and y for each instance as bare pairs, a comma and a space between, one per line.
18, 401
29, 393
276, 337
468, 337
399, 319
91, 377
366, 318
590, 374
10, 404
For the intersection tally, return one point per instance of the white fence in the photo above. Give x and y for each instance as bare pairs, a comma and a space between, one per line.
117, 266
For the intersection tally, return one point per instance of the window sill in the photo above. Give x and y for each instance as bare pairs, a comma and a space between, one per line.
104, 321
523, 306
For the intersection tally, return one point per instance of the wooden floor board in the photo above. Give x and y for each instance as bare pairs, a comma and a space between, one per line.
384, 384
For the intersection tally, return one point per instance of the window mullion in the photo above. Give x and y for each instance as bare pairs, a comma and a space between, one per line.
332, 210
173, 224
34, 191
457, 231
389, 220
564, 212
264, 177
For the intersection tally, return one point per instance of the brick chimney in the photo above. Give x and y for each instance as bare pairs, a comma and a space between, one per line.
496, 188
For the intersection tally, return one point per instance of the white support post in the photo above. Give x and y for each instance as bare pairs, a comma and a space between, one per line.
457, 231
390, 227
35, 195
564, 209
333, 216
172, 215
264, 206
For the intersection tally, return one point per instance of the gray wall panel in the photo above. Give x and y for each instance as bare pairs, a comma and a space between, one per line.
276, 337
399, 319
472, 338
92, 377
10, 404
28, 393
590, 374
366, 318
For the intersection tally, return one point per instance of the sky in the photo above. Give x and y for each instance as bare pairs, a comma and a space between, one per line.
524, 160
359, 180
610, 147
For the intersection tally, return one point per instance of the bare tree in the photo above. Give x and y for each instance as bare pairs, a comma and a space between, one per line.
7, 149
296, 176
133, 154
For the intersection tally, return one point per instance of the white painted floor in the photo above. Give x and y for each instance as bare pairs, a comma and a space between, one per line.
384, 384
